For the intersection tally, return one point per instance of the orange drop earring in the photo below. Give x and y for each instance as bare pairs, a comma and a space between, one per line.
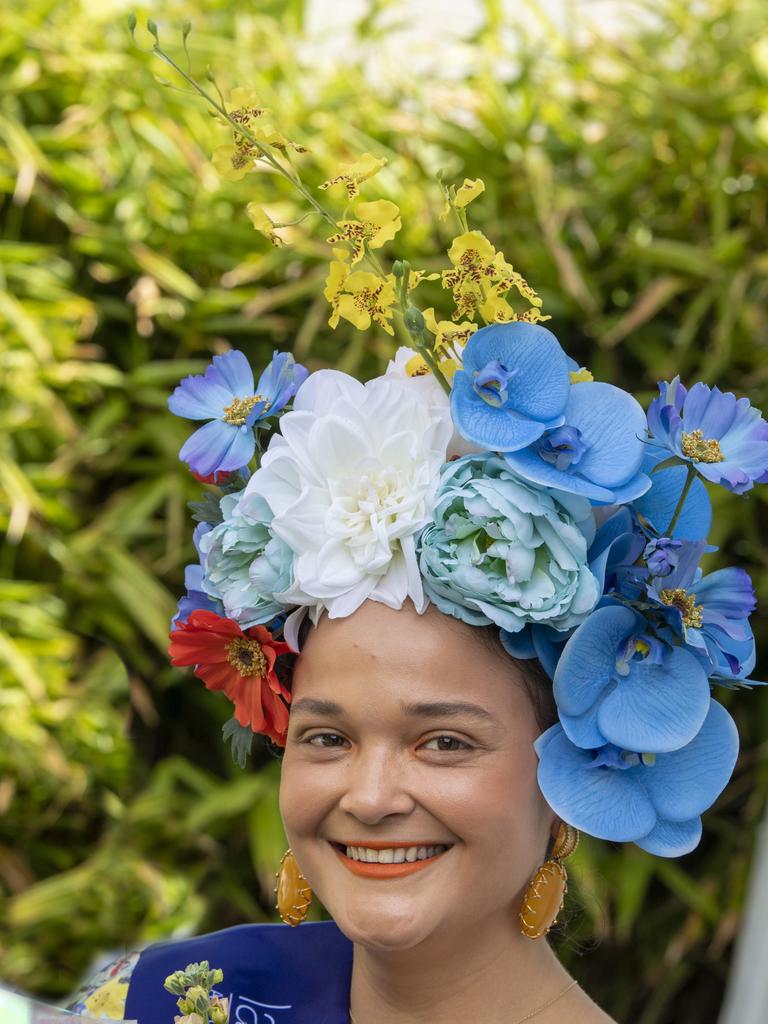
294, 895
544, 897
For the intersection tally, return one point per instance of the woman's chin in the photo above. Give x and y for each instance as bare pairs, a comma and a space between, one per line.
383, 928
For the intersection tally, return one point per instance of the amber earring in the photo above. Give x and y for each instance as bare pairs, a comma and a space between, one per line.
292, 890
544, 897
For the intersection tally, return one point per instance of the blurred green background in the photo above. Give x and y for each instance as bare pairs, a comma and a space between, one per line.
626, 179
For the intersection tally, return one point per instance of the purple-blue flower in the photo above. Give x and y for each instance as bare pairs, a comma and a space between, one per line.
709, 614
513, 386
661, 555
597, 452
226, 396
723, 437
617, 683
655, 801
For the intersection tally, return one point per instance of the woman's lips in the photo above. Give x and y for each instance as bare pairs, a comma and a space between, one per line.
367, 870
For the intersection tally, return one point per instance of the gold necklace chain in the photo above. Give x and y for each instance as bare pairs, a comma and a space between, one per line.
528, 1016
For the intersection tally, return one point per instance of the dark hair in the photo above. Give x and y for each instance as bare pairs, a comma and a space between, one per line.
537, 683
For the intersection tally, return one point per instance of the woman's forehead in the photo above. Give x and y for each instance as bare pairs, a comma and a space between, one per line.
379, 655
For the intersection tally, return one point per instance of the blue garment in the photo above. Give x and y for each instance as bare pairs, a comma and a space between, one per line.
273, 974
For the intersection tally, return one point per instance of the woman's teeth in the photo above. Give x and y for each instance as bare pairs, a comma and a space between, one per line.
394, 855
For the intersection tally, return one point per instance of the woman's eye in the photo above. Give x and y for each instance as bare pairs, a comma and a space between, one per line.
447, 743
326, 739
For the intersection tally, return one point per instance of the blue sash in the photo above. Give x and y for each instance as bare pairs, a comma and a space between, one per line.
273, 974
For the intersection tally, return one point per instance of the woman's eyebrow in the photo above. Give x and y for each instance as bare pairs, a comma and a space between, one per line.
314, 706
448, 709
421, 709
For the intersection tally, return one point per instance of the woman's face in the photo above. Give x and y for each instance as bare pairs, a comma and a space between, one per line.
405, 729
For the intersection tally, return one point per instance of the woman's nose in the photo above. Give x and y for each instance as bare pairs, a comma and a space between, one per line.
377, 786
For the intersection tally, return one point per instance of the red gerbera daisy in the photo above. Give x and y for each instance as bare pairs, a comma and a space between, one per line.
241, 663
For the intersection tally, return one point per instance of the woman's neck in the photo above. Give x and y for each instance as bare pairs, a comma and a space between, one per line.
491, 974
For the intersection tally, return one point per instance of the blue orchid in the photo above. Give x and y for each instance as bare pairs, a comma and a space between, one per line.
709, 613
513, 386
725, 439
226, 396
617, 683
657, 506
597, 452
653, 801
536, 641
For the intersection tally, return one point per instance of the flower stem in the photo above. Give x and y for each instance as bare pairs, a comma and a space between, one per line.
681, 500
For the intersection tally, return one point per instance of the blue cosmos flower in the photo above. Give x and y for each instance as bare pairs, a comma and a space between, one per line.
513, 386
723, 437
226, 396
710, 613
657, 506
654, 801
617, 683
597, 452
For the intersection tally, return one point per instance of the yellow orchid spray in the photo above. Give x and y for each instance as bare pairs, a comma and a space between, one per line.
480, 279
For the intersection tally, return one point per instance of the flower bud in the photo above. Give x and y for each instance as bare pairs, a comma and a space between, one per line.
132, 23
397, 268
174, 983
152, 28
414, 320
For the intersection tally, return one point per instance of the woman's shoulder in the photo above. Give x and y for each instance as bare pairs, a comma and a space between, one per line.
104, 995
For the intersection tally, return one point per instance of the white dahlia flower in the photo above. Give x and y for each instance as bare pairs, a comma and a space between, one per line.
351, 480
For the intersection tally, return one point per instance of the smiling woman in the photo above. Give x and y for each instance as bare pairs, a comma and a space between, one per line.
409, 798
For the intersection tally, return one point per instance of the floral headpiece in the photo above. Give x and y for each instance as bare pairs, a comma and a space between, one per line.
489, 474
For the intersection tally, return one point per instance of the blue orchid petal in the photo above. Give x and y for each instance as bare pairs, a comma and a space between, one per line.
658, 504
497, 430
639, 484
529, 464
613, 425
672, 838
518, 645
656, 707
682, 784
218, 446
588, 661
604, 802
548, 735
548, 644
539, 388
583, 730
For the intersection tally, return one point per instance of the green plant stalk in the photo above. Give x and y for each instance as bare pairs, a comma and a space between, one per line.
681, 500
297, 183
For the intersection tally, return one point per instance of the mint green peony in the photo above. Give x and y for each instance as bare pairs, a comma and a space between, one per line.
244, 565
503, 550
